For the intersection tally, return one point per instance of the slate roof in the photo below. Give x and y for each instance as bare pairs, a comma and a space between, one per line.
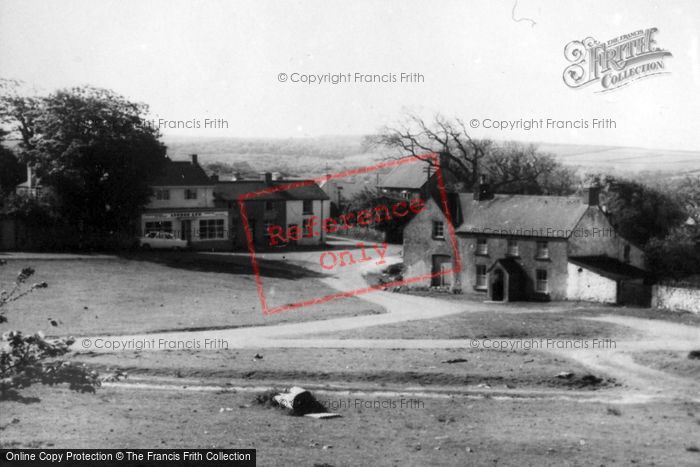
521, 215
182, 173
609, 267
350, 188
232, 190
411, 175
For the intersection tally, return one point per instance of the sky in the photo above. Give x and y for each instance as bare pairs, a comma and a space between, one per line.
497, 60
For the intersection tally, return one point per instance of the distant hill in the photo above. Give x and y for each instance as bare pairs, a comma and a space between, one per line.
319, 155
625, 159
300, 156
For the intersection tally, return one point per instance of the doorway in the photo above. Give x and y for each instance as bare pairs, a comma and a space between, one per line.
440, 276
186, 230
497, 286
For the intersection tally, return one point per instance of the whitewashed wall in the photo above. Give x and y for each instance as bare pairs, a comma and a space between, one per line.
296, 216
676, 298
205, 198
584, 284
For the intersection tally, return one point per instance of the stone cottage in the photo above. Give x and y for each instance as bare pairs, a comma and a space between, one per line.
523, 247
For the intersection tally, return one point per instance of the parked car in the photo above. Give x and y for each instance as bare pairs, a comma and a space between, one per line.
162, 240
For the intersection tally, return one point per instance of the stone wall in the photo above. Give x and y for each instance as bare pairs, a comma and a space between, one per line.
555, 264
676, 298
419, 246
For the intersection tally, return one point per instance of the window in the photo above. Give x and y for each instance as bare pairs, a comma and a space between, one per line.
513, 248
308, 230
542, 250
438, 229
190, 193
166, 226
163, 194
269, 205
482, 246
481, 278
541, 283
308, 207
211, 229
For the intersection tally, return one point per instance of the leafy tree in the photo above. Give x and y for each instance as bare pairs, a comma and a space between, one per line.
517, 168
673, 257
27, 360
688, 190
94, 149
20, 108
11, 171
638, 212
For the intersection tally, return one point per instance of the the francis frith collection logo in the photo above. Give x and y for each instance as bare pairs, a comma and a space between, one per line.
616, 62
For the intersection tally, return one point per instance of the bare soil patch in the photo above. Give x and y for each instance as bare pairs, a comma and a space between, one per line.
378, 367
453, 431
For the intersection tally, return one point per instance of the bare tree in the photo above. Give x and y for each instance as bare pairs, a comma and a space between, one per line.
510, 168
460, 153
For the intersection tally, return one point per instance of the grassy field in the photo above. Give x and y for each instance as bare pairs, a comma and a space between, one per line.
438, 431
163, 291
493, 324
518, 411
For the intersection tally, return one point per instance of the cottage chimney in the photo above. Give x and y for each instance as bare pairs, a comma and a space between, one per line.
482, 190
268, 178
237, 176
194, 159
591, 196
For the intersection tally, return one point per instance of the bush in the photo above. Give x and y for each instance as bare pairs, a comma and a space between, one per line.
33, 359
674, 257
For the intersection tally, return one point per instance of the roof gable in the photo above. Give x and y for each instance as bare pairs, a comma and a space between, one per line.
407, 175
182, 173
510, 265
233, 190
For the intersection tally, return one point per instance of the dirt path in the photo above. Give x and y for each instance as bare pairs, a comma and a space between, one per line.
658, 336
615, 396
399, 308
